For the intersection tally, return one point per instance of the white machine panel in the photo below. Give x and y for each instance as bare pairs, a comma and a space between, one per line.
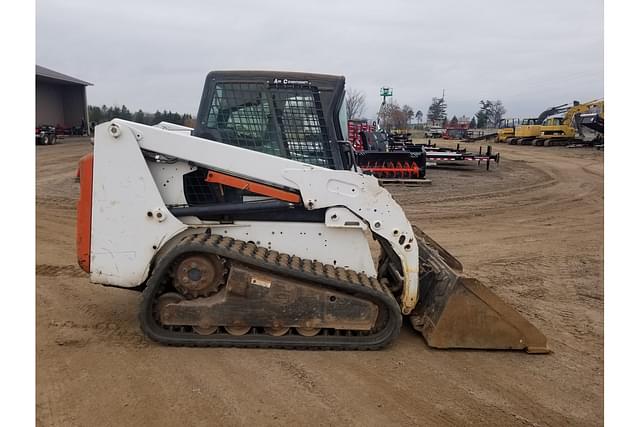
347, 248
169, 180
129, 219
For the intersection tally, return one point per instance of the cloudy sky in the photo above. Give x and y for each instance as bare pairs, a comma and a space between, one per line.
155, 54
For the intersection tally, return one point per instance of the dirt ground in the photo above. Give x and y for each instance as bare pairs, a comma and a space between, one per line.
531, 229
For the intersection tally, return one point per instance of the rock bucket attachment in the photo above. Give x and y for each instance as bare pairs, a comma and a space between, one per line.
460, 312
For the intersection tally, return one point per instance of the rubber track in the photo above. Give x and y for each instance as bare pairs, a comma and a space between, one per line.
336, 278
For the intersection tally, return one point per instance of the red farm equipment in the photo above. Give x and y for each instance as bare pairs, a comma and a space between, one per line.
379, 155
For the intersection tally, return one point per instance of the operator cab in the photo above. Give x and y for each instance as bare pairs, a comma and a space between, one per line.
300, 116
553, 121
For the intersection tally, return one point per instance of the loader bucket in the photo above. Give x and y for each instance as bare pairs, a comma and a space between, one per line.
455, 311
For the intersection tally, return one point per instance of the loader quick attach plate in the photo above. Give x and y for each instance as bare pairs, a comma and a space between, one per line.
460, 312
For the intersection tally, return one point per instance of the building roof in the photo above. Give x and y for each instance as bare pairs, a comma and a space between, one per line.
51, 75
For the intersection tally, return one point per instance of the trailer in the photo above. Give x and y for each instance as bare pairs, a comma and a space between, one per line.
475, 136
442, 156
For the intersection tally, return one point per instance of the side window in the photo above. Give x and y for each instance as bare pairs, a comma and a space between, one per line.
242, 115
214, 110
303, 126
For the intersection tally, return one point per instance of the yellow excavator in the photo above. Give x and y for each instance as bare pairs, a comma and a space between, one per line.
525, 133
570, 127
529, 129
551, 129
506, 129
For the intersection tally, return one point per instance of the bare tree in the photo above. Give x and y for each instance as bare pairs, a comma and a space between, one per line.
355, 104
385, 114
498, 112
490, 112
408, 112
393, 117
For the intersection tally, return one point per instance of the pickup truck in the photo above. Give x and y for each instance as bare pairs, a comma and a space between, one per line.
434, 133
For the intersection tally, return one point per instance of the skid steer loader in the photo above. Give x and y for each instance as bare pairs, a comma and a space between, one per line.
238, 247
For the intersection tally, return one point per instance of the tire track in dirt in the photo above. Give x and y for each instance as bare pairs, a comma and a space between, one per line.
68, 270
305, 379
556, 192
57, 202
70, 333
399, 402
549, 181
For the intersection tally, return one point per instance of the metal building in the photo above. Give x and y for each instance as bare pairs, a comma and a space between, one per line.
61, 100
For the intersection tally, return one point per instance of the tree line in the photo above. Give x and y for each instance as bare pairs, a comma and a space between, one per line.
391, 115
104, 114
488, 116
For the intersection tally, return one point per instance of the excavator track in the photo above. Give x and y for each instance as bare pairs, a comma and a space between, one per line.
312, 273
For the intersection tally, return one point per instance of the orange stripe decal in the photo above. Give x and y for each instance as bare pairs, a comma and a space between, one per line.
83, 221
254, 187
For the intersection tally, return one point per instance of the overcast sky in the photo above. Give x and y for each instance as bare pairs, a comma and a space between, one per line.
155, 54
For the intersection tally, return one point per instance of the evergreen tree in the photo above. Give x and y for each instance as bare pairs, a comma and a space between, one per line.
103, 114
138, 117
437, 110
482, 119
95, 114
125, 114
419, 116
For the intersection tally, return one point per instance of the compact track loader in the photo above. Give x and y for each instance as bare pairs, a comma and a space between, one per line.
237, 247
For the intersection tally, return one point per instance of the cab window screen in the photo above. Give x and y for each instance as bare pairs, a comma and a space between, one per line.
242, 114
283, 120
303, 126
